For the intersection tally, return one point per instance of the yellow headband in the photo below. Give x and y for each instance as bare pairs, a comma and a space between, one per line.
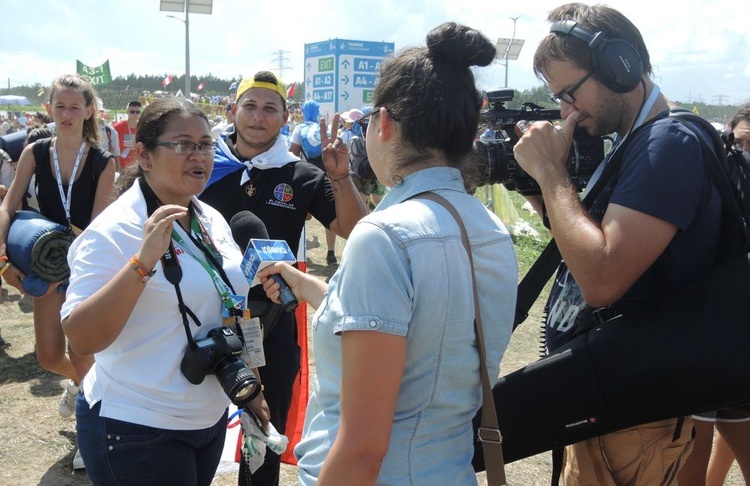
250, 82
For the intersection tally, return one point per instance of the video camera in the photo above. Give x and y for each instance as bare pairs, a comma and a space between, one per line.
494, 157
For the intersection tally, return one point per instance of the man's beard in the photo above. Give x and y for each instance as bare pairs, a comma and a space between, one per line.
608, 116
257, 145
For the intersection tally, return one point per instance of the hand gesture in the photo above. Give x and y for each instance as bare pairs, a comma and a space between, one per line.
157, 233
335, 151
543, 148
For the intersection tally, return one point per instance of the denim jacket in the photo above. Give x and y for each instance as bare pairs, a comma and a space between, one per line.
404, 271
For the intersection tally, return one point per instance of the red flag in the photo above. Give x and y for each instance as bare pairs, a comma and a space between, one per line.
290, 91
166, 81
200, 86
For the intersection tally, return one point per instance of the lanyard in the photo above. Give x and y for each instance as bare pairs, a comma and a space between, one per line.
647, 106
207, 246
66, 198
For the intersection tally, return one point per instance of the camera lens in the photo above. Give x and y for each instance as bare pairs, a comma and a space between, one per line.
236, 378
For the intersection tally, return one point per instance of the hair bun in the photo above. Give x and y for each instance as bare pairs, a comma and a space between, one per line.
460, 45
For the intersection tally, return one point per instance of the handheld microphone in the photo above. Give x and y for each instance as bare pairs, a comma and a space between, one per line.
251, 234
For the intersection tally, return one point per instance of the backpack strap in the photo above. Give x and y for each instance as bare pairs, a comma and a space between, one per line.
717, 167
41, 154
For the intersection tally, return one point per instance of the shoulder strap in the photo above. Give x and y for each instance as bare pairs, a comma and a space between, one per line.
41, 154
489, 429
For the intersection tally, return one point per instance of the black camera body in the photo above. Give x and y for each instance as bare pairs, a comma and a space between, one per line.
497, 164
219, 353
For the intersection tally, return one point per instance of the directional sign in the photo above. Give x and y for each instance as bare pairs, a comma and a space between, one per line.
341, 74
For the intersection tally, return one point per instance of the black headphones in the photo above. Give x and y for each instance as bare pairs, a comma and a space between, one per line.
614, 62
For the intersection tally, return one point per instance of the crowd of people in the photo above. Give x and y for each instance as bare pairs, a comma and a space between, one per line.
157, 202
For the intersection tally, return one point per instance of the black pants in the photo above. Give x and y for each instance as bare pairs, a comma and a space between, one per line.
278, 377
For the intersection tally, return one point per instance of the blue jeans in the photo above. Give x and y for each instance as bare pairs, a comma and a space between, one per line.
123, 453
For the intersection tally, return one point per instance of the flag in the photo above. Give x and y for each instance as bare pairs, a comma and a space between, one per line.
41, 92
233, 86
166, 81
695, 110
200, 86
290, 91
98, 74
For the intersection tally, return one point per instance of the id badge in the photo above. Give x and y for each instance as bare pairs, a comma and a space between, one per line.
253, 352
240, 310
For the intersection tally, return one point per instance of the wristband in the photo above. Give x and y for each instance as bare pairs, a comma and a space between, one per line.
340, 178
141, 269
4, 258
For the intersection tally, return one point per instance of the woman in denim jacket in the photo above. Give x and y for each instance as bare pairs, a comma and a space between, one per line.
398, 379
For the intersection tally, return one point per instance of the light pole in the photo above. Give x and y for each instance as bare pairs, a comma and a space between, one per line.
510, 48
187, 6
512, 38
187, 50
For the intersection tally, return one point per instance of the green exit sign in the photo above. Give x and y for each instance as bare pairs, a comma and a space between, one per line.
367, 95
325, 64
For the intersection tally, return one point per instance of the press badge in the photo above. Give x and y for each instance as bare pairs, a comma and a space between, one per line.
253, 352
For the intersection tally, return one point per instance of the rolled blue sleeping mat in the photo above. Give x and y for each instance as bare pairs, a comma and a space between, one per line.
39, 248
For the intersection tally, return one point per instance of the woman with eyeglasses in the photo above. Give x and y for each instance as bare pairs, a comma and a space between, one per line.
74, 183
398, 373
156, 275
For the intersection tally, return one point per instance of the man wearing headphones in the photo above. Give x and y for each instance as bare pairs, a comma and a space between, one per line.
652, 228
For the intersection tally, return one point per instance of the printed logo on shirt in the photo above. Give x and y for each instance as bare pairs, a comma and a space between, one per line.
283, 192
282, 197
566, 309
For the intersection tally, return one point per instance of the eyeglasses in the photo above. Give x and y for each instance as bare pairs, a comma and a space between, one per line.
567, 96
183, 147
364, 120
134, 112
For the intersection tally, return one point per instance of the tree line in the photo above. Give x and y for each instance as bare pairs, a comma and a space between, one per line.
125, 88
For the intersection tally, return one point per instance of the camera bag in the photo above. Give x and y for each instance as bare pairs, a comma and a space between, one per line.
685, 354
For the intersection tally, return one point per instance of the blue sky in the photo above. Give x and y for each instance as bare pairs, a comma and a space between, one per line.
700, 50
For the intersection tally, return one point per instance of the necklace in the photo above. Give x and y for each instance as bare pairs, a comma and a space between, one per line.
250, 190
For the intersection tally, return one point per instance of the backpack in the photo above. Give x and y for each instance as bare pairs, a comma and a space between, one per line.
358, 160
311, 147
729, 165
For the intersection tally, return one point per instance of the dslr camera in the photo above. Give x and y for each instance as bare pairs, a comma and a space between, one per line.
494, 158
219, 353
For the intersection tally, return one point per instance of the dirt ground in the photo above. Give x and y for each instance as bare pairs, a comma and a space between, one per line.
37, 446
